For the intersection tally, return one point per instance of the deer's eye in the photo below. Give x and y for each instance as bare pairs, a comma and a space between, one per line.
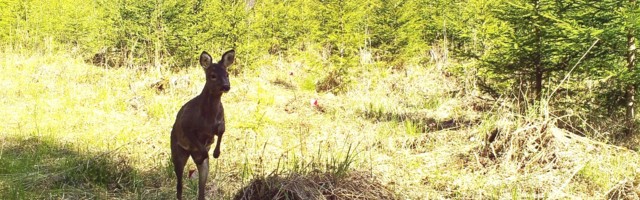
213, 77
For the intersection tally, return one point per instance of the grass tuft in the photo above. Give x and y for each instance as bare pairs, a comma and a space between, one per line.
354, 185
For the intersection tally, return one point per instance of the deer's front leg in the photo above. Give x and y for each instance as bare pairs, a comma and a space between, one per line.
216, 151
220, 131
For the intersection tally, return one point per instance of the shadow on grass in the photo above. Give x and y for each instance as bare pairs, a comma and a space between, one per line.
37, 168
419, 121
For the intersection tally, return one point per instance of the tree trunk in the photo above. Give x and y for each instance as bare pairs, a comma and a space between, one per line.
157, 34
631, 90
537, 57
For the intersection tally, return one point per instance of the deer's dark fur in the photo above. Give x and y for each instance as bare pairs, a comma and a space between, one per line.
199, 120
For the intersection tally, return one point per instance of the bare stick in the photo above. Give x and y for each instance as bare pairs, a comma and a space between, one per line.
574, 67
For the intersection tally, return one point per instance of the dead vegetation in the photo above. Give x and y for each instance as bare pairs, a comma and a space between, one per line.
415, 135
626, 189
536, 143
555, 163
315, 186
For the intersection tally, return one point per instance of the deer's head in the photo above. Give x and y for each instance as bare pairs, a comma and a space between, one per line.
216, 73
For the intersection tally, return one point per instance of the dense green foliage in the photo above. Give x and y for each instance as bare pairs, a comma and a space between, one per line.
523, 48
166, 33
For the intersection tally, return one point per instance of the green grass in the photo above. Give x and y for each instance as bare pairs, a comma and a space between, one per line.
76, 131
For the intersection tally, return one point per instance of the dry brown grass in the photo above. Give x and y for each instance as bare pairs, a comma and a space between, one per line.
410, 133
354, 185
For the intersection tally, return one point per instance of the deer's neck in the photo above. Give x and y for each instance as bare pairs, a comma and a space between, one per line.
210, 103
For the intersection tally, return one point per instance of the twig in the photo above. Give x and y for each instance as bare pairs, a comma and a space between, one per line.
575, 172
617, 186
574, 67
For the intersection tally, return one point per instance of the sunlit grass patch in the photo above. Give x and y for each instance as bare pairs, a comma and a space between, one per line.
65, 115
80, 131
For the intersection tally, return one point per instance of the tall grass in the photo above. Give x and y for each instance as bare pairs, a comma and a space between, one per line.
73, 130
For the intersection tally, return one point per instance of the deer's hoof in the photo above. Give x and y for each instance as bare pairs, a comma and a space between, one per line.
216, 154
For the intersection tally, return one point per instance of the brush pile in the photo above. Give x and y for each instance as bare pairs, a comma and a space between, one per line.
315, 186
532, 144
545, 157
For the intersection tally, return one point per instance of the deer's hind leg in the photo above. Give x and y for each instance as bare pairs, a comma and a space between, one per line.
202, 162
179, 157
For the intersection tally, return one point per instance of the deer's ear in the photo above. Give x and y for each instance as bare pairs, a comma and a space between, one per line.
228, 58
205, 60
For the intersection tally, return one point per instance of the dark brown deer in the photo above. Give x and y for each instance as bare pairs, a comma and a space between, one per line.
199, 120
